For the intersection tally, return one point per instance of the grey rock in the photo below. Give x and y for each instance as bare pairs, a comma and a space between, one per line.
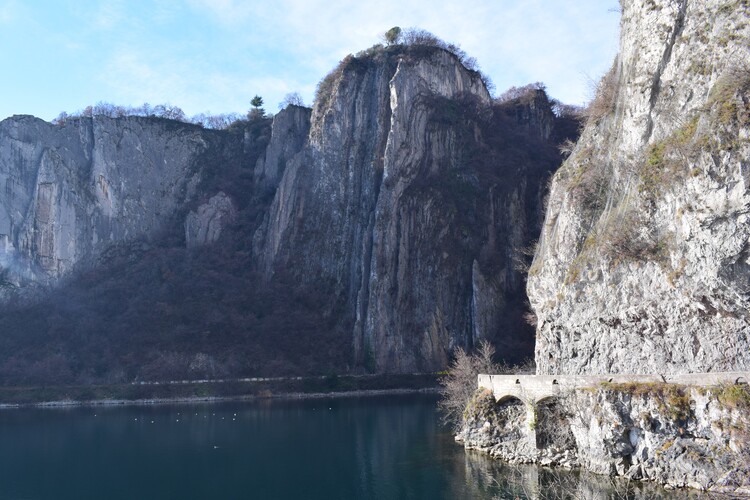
381, 212
70, 191
204, 225
288, 135
642, 265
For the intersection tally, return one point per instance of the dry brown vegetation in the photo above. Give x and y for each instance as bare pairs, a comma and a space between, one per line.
605, 95
460, 382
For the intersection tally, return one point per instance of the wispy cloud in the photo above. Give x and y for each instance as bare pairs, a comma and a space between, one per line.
8, 11
228, 12
216, 54
108, 14
556, 41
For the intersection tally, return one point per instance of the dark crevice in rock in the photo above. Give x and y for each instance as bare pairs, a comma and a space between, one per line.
676, 31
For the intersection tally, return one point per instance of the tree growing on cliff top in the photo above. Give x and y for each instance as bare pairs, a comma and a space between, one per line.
291, 99
392, 36
257, 111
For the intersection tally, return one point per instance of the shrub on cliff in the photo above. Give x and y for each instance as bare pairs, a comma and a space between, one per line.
460, 382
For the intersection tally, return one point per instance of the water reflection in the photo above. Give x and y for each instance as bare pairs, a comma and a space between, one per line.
366, 448
497, 480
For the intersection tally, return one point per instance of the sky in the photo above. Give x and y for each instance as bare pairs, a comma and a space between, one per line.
214, 55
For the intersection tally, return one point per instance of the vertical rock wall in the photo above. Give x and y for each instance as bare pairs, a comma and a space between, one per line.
402, 210
642, 266
70, 191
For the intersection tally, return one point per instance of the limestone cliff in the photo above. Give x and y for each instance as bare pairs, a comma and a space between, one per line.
73, 190
403, 212
375, 232
643, 262
676, 435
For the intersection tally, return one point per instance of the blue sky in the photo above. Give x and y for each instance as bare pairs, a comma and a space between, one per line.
215, 55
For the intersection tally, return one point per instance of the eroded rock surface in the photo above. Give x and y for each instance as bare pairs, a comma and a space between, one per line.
679, 436
72, 191
404, 211
642, 266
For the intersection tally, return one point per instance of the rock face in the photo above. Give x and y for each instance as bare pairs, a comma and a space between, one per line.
72, 191
642, 265
288, 134
680, 436
204, 225
375, 232
400, 210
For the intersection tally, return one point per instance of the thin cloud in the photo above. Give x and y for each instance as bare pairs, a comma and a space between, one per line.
8, 11
108, 14
217, 54
228, 12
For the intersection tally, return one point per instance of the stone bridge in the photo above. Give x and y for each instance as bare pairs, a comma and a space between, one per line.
532, 389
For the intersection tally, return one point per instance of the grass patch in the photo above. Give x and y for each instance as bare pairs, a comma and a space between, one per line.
666, 163
735, 396
672, 399
726, 97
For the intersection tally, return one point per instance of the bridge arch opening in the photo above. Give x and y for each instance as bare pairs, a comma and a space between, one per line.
508, 399
553, 424
740, 380
507, 418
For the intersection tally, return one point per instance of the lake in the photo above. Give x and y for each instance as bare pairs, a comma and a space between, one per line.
384, 447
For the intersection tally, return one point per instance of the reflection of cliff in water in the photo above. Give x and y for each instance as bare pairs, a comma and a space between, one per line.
486, 476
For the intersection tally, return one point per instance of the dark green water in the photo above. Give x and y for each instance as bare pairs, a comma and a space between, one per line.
355, 448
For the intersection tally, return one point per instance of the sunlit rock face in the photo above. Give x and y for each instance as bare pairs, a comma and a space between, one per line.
643, 263
204, 225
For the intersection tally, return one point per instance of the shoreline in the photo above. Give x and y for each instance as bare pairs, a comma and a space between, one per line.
256, 395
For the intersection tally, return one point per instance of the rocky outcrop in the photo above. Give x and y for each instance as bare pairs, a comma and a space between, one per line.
678, 436
204, 225
402, 211
288, 135
73, 190
642, 265
375, 232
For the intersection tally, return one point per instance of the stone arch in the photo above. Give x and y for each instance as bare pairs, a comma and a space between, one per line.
509, 417
508, 398
740, 380
552, 424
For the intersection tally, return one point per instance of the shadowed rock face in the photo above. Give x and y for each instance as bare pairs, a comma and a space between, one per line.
402, 207
376, 232
642, 265
72, 191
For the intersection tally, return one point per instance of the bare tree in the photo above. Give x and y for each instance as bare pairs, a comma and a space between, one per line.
291, 99
460, 383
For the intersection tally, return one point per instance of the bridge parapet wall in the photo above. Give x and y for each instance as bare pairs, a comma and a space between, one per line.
533, 388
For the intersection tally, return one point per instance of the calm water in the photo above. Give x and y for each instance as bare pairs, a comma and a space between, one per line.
360, 448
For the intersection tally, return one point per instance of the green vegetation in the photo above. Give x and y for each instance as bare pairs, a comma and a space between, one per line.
735, 396
672, 399
667, 162
257, 112
392, 36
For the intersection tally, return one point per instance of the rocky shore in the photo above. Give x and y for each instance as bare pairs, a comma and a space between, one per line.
675, 435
